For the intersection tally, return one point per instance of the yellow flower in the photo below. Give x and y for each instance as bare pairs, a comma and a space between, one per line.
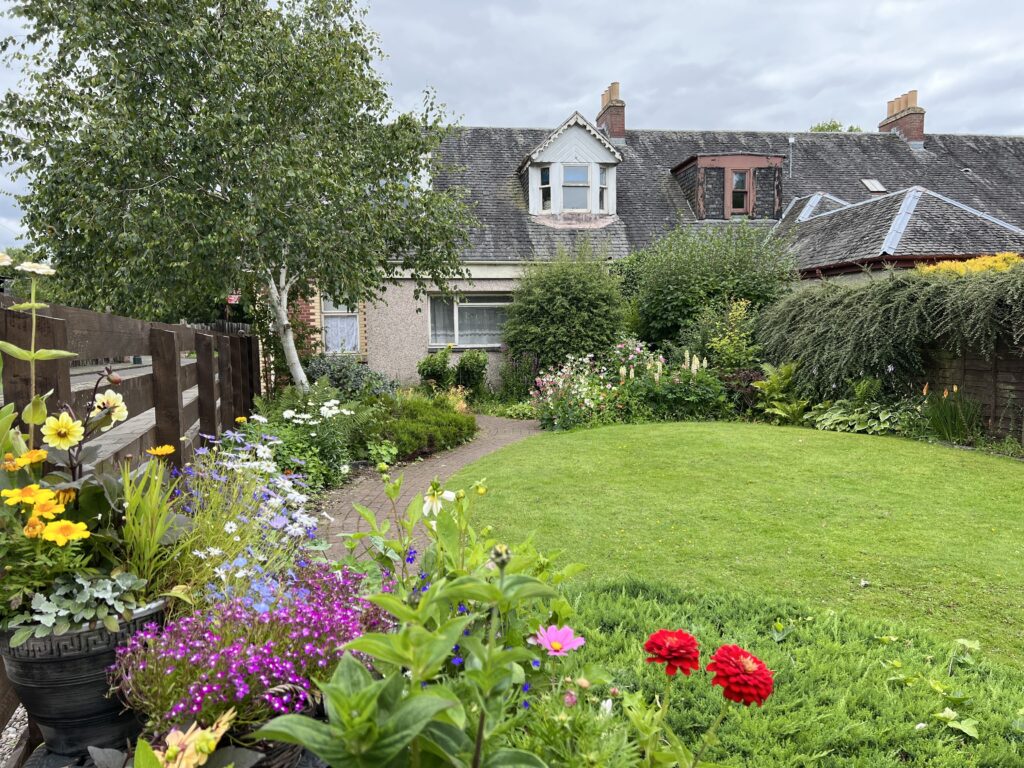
10, 464
62, 432
30, 494
241, 419
113, 405
161, 450
48, 509
28, 458
66, 496
955, 389
33, 528
60, 532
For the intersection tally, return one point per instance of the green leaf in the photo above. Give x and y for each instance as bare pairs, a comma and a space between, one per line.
145, 757
519, 587
513, 758
54, 354
968, 726
411, 717
21, 636
395, 607
111, 623
446, 740
15, 351
35, 411
319, 738
470, 588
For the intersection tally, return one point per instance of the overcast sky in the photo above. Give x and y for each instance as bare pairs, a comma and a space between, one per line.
742, 64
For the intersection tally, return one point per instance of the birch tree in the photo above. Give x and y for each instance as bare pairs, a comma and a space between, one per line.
177, 151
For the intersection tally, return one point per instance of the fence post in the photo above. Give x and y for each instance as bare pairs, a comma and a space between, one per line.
51, 333
226, 380
254, 360
207, 385
237, 386
166, 350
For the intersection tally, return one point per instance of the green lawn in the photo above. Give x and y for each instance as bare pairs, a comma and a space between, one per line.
885, 528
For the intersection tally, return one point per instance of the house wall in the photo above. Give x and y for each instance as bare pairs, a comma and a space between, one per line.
688, 181
398, 328
714, 193
767, 192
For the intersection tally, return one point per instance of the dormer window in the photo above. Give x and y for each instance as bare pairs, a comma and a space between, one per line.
575, 187
571, 172
732, 185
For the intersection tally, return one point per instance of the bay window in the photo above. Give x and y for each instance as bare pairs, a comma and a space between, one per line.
472, 321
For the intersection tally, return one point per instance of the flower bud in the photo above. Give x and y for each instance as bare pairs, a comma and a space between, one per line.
583, 683
114, 378
382, 466
501, 555
570, 699
460, 494
614, 691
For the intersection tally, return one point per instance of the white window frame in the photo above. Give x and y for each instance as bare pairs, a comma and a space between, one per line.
548, 187
337, 312
602, 189
578, 185
500, 300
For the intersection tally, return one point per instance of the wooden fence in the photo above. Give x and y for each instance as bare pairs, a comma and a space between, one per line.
997, 383
194, 383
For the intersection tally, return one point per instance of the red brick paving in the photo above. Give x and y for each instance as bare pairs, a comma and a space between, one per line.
368, 490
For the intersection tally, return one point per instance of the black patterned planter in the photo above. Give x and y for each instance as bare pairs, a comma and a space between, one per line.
62, 682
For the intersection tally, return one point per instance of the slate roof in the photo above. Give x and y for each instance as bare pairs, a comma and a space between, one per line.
983, 172
895, 228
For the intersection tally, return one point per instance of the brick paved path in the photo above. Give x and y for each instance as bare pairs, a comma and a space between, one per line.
368, 490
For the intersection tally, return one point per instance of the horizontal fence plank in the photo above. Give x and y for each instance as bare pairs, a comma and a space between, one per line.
99, 336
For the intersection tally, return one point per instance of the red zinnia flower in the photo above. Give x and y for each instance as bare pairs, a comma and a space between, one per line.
677, 650
743, 676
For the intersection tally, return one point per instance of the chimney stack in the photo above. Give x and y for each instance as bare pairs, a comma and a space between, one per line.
905, 119
612, 117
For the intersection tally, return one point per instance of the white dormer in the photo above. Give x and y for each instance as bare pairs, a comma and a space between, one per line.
572, 171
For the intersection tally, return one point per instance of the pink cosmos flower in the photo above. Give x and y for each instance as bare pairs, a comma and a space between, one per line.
557, 640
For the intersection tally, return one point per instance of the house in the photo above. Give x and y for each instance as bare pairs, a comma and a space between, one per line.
848, 202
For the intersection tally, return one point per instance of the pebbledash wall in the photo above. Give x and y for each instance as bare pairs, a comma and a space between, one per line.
394, 333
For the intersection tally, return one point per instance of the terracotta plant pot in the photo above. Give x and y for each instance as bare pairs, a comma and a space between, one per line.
62, 683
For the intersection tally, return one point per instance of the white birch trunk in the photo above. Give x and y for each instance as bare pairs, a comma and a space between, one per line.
278, 295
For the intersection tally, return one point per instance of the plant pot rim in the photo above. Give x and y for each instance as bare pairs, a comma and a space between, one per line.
53, 646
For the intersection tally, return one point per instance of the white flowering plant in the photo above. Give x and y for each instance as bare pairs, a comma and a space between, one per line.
310, 433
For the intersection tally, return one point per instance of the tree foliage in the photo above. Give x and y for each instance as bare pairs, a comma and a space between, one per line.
834, 126
177, 150
688, 269
569, 306
887, 327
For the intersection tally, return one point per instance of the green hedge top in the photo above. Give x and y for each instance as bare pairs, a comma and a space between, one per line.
885, 327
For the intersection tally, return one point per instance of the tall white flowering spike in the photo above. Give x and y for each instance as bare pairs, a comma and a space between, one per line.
36, 269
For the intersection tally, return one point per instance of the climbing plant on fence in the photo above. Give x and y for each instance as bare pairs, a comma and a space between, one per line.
885, 328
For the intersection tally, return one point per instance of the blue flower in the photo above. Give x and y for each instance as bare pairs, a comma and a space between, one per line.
201, 451
277, 522
526, 705
457, 661
535, 663
462, 608
411, 557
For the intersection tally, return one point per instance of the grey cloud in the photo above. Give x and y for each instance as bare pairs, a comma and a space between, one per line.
745, 64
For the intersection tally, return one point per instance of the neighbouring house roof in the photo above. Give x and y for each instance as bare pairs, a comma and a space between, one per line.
983, 173
897, 228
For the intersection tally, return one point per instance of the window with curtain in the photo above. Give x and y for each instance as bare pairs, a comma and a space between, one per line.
341, 328
474, 321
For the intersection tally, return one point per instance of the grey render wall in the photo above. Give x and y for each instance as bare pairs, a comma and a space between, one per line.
398, 337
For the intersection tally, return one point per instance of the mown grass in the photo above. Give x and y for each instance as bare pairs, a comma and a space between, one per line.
847, 695
903, 532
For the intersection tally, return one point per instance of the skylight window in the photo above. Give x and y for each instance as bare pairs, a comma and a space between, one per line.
873, 185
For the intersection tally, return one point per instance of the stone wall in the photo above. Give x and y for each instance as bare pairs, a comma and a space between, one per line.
687, 179
767, 192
